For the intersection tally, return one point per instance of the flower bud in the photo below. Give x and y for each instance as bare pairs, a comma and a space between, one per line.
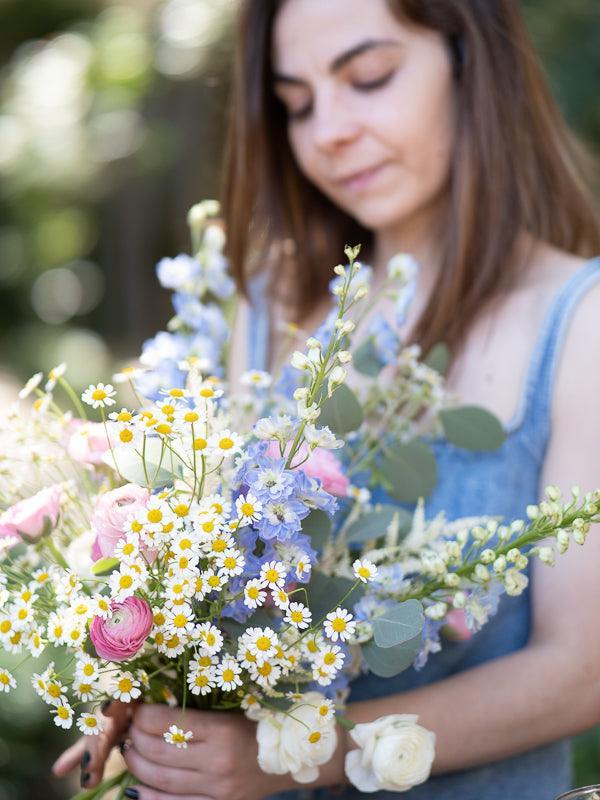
336, 377
546, 554
553, 493
579, 537
562, 541
488, 556
533, 512
499, 565
482, 573
301, 393
312, 342
460, 600
299, 360
452, 580
345, 326
361, 292
340, 270
344, 356
436, 611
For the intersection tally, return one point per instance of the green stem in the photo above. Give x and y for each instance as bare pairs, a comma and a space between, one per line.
73, 396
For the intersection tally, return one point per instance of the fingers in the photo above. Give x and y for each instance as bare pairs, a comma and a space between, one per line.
154, 748
172, 780
156, 719
146, 793
68, 760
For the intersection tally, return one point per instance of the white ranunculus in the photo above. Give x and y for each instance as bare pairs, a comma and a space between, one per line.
297, 742
395, 754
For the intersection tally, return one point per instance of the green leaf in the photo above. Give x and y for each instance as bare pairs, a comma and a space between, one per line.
326, 592
397, 638
318, 526
411, 471
438, 358
473, 428
389, 661
399, 625
158, 464
366, 360
105, 566
375, 523
342, 412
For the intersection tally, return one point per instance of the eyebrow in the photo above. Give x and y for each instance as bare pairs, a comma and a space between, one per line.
341, 60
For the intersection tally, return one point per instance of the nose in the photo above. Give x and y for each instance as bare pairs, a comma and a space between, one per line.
334, 125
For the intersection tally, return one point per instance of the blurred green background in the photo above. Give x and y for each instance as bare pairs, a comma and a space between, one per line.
111, 126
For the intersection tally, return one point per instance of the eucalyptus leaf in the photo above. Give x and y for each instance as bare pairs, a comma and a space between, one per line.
410, 471
389, 661
158, 464
318, 526
438, 358
105, 566
398, 625
473, 428
375, 523
342, 412
325, 593
366, 360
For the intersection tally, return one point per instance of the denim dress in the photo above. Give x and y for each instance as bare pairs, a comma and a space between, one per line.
503, 483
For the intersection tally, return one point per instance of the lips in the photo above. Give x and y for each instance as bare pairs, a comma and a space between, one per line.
360, 178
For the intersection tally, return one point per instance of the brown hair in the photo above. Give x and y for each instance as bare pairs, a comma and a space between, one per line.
514, 166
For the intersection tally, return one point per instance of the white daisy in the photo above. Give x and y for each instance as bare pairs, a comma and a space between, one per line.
330, 659
126, 687
280, 598
254, 593
273, 574
99, 396
339, 624
177, 737
261, 642
210, 637
63, 715
256, 379
231, 562
249, 508
298, 615
7, 681
226, 443
227, 675
87, 668
31, 384
325, 711
364, 569
201, 681
90, 724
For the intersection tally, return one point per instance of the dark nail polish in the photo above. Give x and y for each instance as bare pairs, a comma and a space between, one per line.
105, 706
132, 793
124, 746
85, 759
85, 776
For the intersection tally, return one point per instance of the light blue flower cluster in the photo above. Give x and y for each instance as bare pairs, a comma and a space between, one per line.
199, 328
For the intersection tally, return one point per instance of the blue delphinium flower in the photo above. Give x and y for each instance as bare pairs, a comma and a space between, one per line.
179, 274
385, 340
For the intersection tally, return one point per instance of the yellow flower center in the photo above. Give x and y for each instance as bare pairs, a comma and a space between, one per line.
182, 509
84, 688
230, 562
191, 416
272, 575
201, 680
124, 416
26, 595
297, 616
176, 392
88, 670
128, 549
205, 661
247, 509
125, 581
219, 545
226, 443
180, 620
364, 572
63, 712
178, 738
200, 443
155, 515
253, 592
263, 643
54, 690
314, 737
338, 625
214, 581
4, 678
159, 618
98, 394
228, 675
206, 391
125, 685
164, 428
329, 658
265, 669
5, 626
125, 435
91, 722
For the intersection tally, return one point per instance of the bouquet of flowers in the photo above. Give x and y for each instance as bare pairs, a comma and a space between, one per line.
227, 552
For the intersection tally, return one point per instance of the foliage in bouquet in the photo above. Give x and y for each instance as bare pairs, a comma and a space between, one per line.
223, 552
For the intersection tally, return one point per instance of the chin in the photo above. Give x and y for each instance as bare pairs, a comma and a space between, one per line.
378, 213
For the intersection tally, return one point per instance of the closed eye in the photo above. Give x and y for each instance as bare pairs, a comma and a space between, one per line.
361, 86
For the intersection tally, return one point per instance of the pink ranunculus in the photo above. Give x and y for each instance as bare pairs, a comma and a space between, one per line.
123, 635
110, 516
320, 464
29, 516
456, 627
88, 441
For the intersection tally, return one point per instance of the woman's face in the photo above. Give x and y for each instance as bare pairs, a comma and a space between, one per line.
370, 103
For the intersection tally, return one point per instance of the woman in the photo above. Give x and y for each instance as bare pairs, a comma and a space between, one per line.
425, 126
